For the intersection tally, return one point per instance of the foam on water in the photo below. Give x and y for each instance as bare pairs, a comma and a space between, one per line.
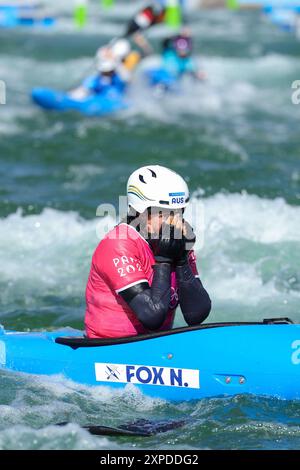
79, 176
235, 88
52, 438
33, 405
249, 256
50, 248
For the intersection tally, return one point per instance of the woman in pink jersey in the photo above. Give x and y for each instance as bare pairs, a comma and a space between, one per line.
145, 267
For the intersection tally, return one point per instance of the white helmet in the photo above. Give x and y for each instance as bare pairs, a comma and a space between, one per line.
120, 48
156, 186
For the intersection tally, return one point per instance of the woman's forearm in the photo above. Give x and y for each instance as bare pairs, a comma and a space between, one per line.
151, 304
194, 301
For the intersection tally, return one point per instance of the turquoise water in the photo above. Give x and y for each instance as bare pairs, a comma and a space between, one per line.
235, 139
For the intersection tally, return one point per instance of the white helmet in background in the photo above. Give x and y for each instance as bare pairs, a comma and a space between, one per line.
156, 186
120, 48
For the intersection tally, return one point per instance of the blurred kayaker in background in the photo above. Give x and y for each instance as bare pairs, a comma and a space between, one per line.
177, 56
145, 267
106, 81
177, 61
115, 64
120, 51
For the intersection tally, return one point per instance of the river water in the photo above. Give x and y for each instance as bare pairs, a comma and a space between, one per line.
236, 141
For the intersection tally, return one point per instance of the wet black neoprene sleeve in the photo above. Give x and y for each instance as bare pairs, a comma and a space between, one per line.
193, 299
132, 28
151, 305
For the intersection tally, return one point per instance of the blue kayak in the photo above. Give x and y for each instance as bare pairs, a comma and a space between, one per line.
187, 363
14, 15
161, 78
93, 105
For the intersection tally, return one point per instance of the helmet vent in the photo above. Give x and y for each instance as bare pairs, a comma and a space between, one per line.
141, 178
153, 173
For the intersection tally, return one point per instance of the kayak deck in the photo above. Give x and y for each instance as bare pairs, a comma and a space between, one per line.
83, 342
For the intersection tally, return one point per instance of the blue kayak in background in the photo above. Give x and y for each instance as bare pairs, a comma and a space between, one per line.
161, 78
14, 15
189, 363
93, 105
285, 17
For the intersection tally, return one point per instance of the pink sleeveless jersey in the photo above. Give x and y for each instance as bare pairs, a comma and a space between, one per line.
122, 259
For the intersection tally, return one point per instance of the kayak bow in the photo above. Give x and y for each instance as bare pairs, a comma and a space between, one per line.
92, 105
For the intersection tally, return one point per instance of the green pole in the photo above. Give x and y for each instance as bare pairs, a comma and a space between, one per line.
107, 3
80, 13
232, 4
173, 14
